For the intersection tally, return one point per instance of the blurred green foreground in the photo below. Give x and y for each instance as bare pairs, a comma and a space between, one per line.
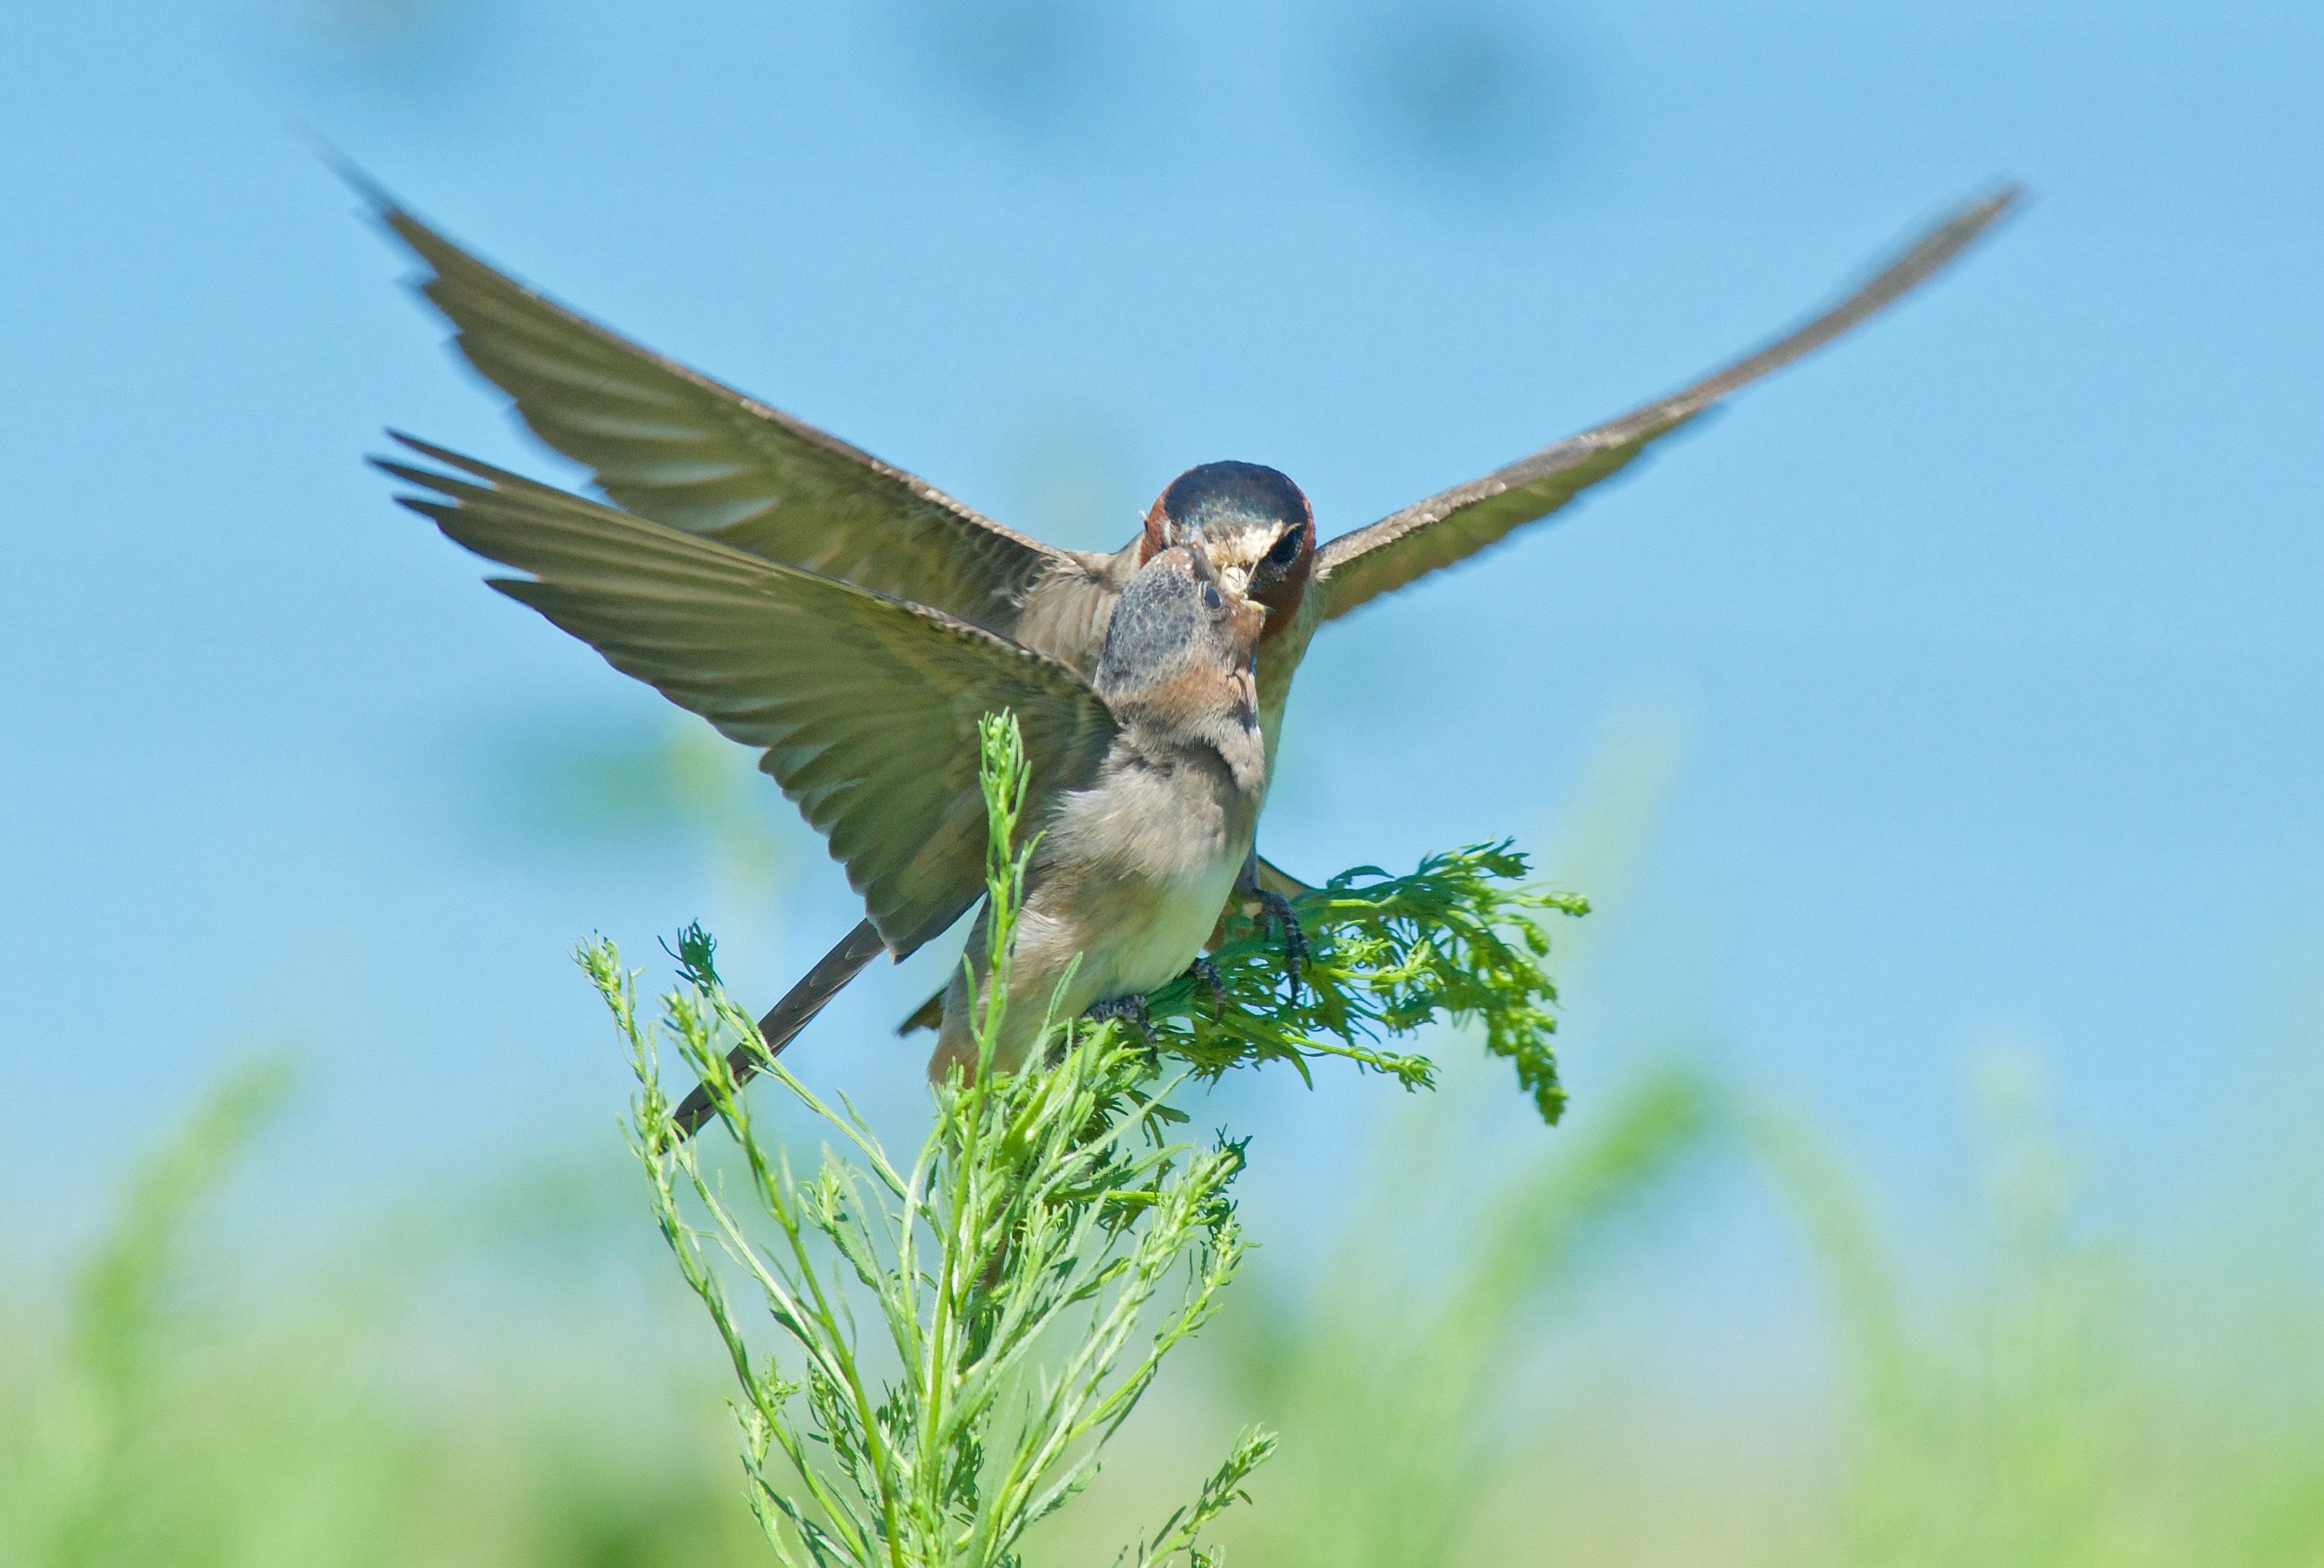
512, 1378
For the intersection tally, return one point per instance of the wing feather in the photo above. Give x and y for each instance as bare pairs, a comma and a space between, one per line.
1358, 568
676, 446
865, 707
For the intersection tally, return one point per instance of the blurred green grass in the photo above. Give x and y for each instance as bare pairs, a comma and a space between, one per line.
436, 1387
1483, 1369
446, 1385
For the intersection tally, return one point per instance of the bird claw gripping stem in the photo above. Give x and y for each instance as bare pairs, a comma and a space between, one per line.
1275, 910
1203, 970
1133, 1008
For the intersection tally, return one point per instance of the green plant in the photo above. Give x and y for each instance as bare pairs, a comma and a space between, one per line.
2018, 1426
1040, 1205
1454, 941
1012, 1267
194, 1390
112, 1408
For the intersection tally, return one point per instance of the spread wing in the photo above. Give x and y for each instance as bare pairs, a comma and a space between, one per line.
672, 444
865, 706
1360, 567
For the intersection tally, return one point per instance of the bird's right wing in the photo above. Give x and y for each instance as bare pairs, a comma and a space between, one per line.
865, 706
671, 444
1358, 568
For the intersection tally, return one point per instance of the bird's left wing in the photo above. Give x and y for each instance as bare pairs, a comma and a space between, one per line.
1358, 566
866, 706
671, 444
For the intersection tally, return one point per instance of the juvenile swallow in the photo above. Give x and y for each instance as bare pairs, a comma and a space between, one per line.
1129, 874
670, 444
1146, 775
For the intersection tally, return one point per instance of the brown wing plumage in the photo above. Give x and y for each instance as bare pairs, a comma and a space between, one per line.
1360, 567
866, 706
672, 444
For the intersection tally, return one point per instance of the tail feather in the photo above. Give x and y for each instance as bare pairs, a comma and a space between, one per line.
786, 1017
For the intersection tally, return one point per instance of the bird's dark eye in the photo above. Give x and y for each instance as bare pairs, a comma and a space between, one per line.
1209, 597
1286, 548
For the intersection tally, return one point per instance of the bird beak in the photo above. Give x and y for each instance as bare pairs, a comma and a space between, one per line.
1249, 616
1230, 578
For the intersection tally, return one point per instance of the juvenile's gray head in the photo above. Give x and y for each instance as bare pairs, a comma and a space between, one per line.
1178, 658
1175, 620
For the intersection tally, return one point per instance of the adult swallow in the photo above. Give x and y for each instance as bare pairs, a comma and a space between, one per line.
1146, 775
675, 446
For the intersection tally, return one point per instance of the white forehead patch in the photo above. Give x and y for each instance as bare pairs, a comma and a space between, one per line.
1236, 545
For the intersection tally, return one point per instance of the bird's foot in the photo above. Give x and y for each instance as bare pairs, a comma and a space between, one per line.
1133, 1008
1203, 970
1275, 910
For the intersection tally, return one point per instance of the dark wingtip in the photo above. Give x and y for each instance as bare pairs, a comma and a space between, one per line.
428, 449
460, 493
385, 208
359, 179
2005, 196
404, 473
2007, 191
395, 469
1949, 239
439, 513
428, 479
494, 478
1932, 253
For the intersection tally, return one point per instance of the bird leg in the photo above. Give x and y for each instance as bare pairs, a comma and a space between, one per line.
1275, 910
1203, 970
1133, 1008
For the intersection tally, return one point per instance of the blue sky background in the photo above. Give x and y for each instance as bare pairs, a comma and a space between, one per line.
1959, 686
